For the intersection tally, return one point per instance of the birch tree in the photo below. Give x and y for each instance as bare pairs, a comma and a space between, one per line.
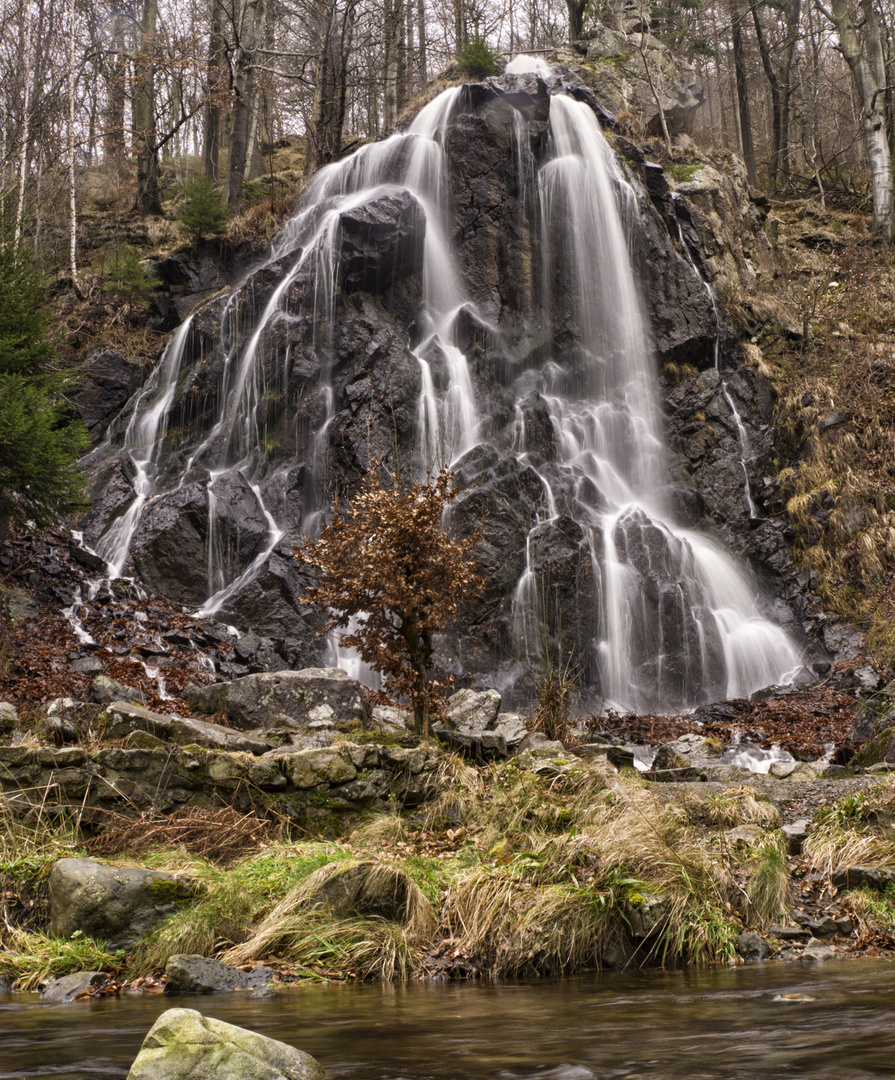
861, 47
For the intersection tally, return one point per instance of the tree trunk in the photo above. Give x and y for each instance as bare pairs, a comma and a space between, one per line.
394, 36
872, 95
145, 129
26, 134
335, 36
739, 66
421, 35
576, 9
215, 91
72, 177
250, 34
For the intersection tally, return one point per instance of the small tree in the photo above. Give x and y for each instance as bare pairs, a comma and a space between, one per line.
477, 59
39, 442
128, 278
388, 561
201, 211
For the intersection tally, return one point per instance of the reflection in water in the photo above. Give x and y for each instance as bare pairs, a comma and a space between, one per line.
691, 1025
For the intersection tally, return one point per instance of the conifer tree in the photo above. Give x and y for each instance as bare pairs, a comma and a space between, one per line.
39, 441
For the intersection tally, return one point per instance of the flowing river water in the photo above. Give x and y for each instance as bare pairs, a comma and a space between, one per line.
708, 1024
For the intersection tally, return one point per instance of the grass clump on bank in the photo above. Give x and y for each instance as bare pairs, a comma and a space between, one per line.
234, 899
856, 831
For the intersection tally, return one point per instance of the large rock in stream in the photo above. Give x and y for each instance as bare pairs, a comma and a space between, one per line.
185, 1045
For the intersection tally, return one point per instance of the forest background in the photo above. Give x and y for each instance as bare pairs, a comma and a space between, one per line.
156, 93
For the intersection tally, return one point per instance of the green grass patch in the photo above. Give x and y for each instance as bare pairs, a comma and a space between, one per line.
36, 958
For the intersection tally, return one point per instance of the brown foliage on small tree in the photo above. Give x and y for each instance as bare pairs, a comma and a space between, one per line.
388, 560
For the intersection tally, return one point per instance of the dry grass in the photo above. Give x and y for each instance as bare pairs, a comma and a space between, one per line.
219, 835
728, 809
304, 916
856, 831
769, 890
514, 927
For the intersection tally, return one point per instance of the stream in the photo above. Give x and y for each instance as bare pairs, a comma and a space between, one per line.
707, 1024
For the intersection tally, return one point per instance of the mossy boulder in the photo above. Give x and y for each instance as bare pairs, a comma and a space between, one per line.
185, 1045
879, 748
117, 904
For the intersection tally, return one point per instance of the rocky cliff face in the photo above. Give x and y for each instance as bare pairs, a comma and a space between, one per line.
246, 458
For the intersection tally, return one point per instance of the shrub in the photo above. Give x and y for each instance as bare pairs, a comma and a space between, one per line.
392, 576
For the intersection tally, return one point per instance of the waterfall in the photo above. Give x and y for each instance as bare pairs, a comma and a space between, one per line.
669, 618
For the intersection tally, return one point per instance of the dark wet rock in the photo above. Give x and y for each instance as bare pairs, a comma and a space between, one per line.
877, 750
675, 775
825, 927
620, 756
189, 974
789, 933
172, 540
201, 269
874, 716
122, 718
70, 987
116, 904
291, 699
834, 419
184, 1044
752, 946
107, 381
381, 241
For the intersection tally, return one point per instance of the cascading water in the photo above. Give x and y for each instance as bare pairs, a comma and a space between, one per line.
669, 619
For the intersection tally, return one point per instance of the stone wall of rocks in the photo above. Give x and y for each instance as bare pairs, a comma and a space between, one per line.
305, 785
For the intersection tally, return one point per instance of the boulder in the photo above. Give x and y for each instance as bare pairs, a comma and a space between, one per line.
874, 716
117, 904
289, 699
104, 690
470, 712
854, 877
70, 987
187, 974
816, 952
366, 887
314, 767
752, 946
382, 241
184, 1045
106, 382
796, 834
172, 541
9, 718
123, 718
878, 749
